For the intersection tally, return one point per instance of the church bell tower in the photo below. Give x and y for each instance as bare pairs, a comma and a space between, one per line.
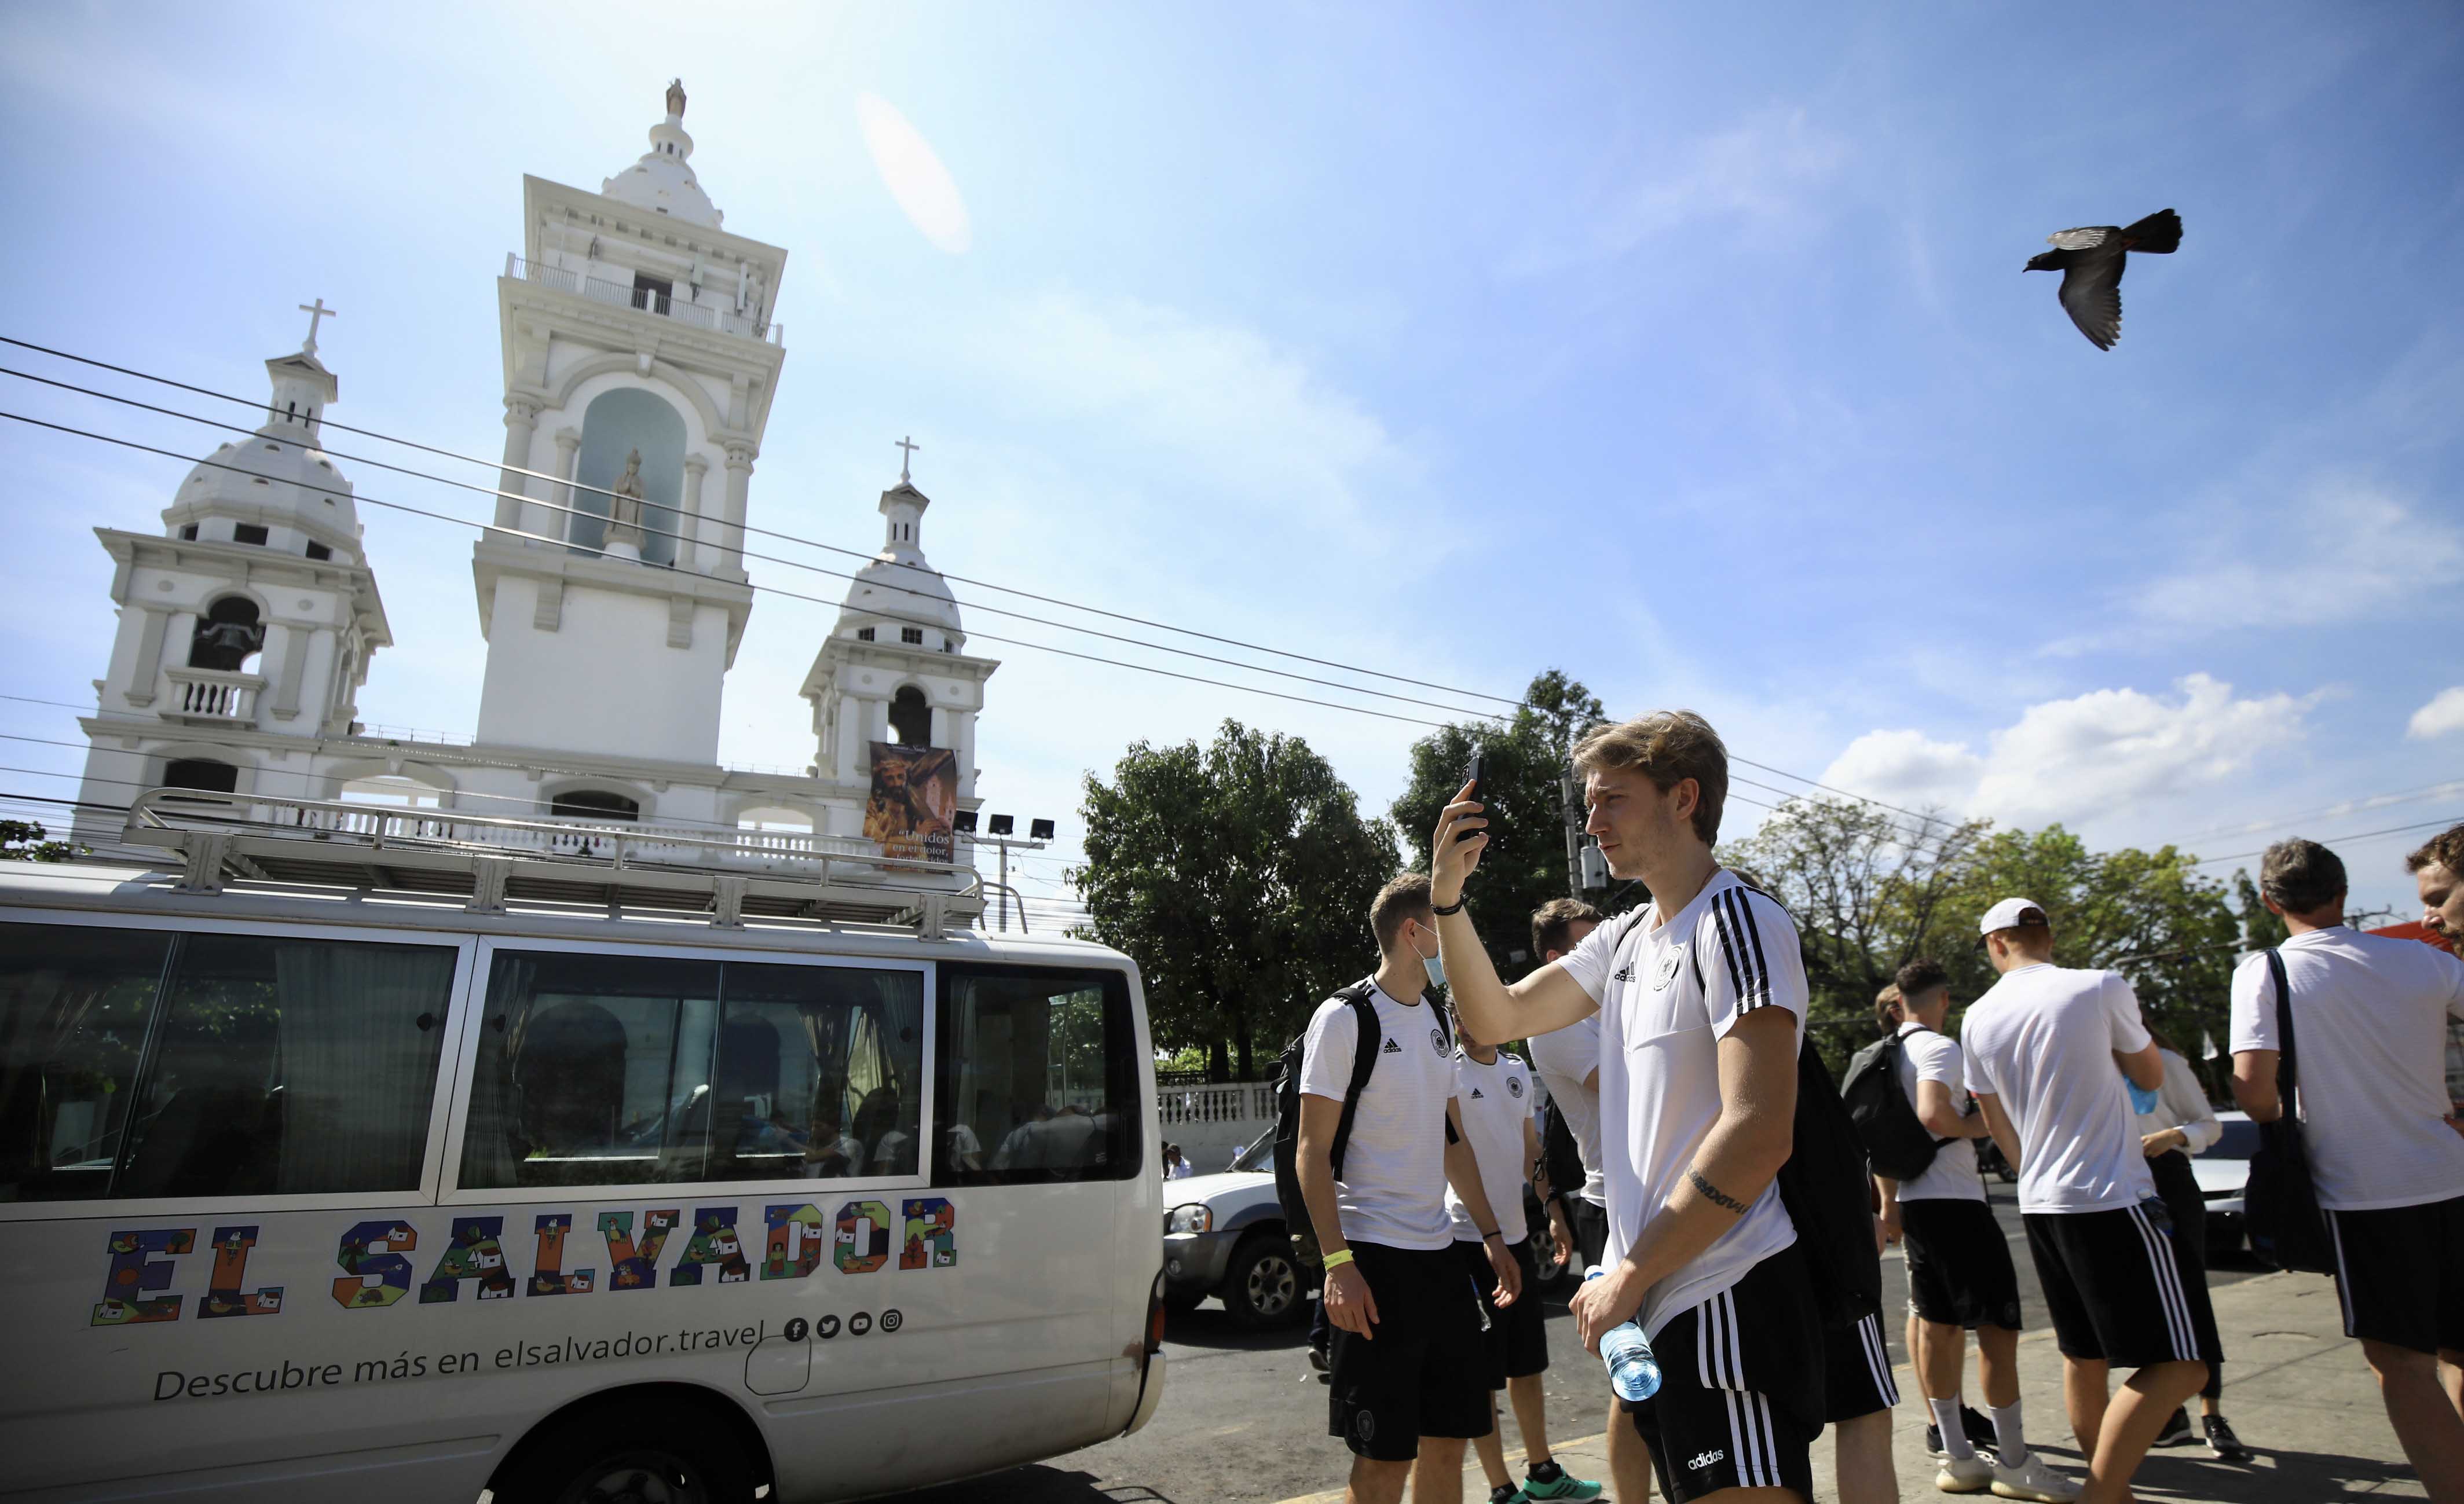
640, 362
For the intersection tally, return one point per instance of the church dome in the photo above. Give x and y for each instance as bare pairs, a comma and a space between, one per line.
661, 182
898, 588
276, 477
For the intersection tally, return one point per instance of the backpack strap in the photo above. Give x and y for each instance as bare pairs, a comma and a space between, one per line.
1360, 995
2284, 1084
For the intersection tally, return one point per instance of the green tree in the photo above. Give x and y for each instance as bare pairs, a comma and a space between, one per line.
2261, 930
1867, 891
1524, 865
1237, 876
24, 841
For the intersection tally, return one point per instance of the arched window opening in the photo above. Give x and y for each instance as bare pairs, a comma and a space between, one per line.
227, 636
205, 775
615, 425
594, 804
910, 719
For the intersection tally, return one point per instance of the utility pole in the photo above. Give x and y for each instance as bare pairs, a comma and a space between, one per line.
1571, 809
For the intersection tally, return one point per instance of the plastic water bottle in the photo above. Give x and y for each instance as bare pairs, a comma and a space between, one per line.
1633, 1372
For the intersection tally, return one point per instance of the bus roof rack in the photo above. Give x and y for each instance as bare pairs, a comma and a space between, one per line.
493, 861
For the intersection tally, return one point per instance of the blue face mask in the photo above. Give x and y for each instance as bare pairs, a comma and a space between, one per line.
2142, 1102
1434, 966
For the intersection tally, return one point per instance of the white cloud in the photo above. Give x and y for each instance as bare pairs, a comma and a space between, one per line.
914, 174
2073, 759
2442, 716
2349, 552
1763, 170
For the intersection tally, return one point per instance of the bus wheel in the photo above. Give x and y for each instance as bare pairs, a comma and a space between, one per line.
630, 1454
1263, 1287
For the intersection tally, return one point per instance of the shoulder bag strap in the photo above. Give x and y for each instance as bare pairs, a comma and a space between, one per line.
1364, 1059
2284, 1080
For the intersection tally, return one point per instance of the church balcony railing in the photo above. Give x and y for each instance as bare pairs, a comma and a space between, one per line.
649, 300
210, 696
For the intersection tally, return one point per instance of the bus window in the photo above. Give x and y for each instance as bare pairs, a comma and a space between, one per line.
288, 1066
74, 1002
270, 1065
602, 1070
1038, 1077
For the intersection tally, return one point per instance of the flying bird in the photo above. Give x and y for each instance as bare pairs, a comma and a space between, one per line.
2091, 259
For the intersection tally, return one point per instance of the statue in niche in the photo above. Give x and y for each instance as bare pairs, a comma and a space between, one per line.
625, 505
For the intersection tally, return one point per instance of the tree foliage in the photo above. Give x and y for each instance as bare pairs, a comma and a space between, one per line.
25, 841
1237, 876
1867, 898
1524, 865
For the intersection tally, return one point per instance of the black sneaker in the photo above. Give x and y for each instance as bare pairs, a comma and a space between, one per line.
1318, 1359
2177, 1430
2222, 1441
1505, 1494
1933, 1441
1979, 1427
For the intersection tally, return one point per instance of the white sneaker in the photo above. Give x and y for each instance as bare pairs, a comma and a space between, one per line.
1969, 1474
2033, 1479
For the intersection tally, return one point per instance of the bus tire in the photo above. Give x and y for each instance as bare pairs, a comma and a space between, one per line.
1264, 1287
633, 1449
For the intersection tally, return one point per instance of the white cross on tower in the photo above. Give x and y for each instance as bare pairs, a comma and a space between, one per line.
320, 311
908, 449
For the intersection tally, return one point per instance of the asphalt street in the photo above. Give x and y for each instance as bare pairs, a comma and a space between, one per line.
1245, 1419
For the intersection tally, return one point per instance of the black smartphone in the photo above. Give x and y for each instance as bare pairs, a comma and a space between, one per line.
1479, 791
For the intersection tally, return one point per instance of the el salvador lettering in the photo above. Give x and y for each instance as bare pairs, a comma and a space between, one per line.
374, 1257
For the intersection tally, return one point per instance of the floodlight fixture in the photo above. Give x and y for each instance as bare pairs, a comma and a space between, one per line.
1040, 830
1001, 825
963, 823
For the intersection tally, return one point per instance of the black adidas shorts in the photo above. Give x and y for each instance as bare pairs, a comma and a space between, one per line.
1589, 1221
2113, 1286
1422, 1373
1739, 1399
1959, 1265
1856, 1371
1516, 1341
2400, 1270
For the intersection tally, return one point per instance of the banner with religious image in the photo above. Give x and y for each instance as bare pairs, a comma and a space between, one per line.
914, 794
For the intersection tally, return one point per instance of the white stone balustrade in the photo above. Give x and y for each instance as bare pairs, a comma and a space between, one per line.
210, 696
678, 306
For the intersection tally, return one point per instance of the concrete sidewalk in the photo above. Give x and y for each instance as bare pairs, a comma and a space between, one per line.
2296, 1390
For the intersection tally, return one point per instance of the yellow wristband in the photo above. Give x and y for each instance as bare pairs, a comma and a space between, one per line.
1338, 1260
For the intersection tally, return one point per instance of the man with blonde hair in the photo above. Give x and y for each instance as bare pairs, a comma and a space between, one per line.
1702, 1002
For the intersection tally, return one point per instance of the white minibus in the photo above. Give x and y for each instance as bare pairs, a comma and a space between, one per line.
381, 1158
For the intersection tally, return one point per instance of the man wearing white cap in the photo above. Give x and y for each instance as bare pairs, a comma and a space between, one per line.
2040, 1051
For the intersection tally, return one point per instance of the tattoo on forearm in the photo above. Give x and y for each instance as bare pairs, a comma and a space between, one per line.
1714, 1194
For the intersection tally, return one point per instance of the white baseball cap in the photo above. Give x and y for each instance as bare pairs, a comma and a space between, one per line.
2012, 913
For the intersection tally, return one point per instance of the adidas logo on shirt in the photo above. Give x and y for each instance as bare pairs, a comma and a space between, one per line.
1392, 1048
1624, 973
1477, 1095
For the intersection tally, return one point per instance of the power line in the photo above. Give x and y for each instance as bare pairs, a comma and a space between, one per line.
2366, 834
774, 590
773, 559
1924, 821
741, 527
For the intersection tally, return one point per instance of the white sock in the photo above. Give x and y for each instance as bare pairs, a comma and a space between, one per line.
2009, 1437
1954, 1435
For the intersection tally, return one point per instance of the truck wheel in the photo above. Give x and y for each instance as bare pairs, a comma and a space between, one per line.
1264, 1287
632, 1452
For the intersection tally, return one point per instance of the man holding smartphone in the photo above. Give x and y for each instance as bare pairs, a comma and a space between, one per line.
1702, 1002
1406, 1362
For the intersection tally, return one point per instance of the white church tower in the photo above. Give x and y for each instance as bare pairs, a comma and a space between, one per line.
640, 357
894, 668
246, 625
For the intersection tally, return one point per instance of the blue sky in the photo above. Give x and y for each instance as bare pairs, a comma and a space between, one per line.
1686, 350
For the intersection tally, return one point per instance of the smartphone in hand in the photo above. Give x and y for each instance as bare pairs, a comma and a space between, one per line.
1479, 796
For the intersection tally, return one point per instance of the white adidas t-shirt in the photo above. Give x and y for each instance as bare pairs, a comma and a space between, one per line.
2370, 1053
1925, 1055
2042, 1040
1494, 1101
1394, 1182
1566, 1058
1668, 994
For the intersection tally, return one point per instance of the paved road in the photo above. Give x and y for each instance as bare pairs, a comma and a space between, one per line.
1245, 1419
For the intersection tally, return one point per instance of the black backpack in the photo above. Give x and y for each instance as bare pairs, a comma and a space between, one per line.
1287, 1116
1827, 1188
1899, 1145
1829, 1194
